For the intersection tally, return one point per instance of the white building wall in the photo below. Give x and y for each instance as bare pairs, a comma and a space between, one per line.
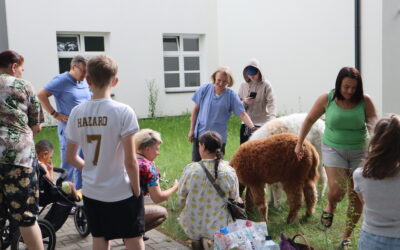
301, 44
371, 50
135, 40
3, 27
391, 56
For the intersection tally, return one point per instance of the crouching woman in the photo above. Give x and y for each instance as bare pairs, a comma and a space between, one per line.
147, 143
204, 211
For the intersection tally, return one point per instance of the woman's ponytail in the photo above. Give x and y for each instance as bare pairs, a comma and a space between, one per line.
217, 160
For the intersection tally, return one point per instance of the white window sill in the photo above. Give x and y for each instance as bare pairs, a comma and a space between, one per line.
177, 90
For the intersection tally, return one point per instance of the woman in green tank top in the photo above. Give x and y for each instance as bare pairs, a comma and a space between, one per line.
349, 112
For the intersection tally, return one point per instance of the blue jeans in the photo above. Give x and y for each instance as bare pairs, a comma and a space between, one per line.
370, 241
74, 175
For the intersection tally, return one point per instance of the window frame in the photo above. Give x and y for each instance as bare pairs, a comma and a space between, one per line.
81, 45
181, 54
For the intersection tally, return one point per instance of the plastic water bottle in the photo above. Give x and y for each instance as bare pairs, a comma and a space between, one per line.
269, 244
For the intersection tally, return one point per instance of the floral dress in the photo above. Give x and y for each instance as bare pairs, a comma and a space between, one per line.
204, 211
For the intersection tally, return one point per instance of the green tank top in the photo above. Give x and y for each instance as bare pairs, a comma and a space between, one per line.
345, 128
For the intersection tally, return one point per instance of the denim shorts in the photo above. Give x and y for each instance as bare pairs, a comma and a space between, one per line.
19, 194
370, 241
342, 158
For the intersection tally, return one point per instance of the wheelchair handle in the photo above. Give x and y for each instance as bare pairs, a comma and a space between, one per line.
59, 170
62, 177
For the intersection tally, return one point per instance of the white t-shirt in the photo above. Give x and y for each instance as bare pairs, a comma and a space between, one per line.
98, 127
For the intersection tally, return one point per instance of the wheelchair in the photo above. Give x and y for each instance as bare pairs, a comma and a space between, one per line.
56, 206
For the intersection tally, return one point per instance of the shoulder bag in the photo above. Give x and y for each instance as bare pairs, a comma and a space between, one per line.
236, 209
290, 244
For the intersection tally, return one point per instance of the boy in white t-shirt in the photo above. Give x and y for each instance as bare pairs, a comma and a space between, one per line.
104, 129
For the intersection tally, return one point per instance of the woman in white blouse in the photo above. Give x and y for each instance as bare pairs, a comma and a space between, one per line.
204, 211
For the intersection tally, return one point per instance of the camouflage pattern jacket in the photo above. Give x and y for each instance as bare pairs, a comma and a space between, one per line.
19, 110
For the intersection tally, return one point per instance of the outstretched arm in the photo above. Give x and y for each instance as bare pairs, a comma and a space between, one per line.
246, 119
317, 110
157, 195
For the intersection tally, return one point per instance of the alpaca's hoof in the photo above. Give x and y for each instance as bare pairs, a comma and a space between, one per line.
264, 218
290, 220
309, 214
305, 219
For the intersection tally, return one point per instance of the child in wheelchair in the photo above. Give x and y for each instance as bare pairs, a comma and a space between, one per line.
58, 194
44, 152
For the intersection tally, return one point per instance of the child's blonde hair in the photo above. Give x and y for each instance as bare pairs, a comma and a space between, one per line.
146, 138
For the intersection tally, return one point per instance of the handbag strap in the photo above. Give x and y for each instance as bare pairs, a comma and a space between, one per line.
212, 180
304, 239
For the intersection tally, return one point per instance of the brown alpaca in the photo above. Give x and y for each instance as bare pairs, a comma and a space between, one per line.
272, 160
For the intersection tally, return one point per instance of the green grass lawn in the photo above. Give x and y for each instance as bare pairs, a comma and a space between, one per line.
176, 154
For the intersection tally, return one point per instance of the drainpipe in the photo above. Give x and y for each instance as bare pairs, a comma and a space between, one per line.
357, 31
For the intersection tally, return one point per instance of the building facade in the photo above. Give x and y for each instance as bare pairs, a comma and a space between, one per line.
176, 45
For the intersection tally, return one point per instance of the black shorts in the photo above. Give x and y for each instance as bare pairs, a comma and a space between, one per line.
115, 220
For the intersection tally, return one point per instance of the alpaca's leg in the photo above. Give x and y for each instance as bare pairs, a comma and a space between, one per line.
310, 197
294, 195
249, 201
276, 193
242, 187
258, 194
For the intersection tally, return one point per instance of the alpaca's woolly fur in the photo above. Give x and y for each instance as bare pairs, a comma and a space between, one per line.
292, 124
273, 160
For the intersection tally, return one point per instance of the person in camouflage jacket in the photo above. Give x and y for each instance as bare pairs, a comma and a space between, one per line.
20, 118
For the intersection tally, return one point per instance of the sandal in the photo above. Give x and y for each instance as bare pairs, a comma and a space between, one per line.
345, 244
327, 218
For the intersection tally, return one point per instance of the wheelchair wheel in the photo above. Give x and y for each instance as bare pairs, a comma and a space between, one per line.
6, 234
48, 236
81, 223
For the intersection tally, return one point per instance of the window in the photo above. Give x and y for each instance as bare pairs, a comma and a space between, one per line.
84, 44
182, 63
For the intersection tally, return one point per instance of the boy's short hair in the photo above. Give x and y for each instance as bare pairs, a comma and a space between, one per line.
101, 70
43, 145
146, 138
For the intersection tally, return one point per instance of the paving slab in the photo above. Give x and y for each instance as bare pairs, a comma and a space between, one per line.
69, 239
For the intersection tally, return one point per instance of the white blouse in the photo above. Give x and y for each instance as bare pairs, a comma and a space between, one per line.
204, 211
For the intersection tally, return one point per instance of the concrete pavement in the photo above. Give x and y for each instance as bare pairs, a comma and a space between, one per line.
69, 239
